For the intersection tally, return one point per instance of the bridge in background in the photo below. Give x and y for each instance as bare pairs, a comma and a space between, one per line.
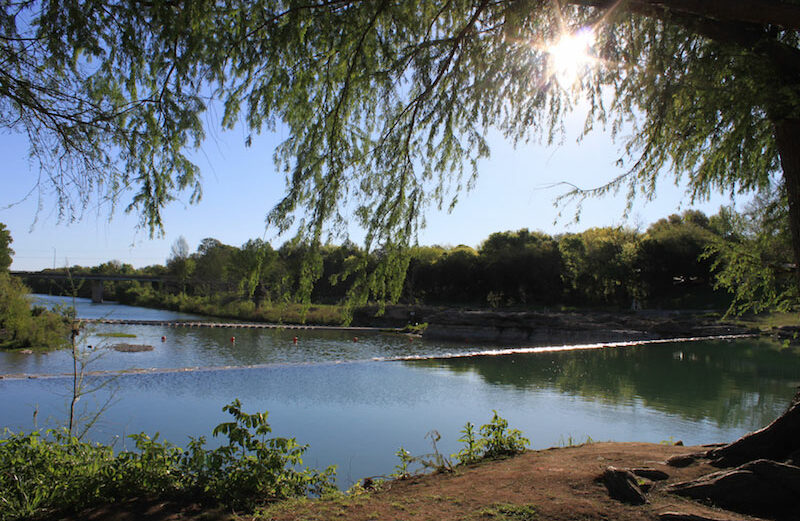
96, 279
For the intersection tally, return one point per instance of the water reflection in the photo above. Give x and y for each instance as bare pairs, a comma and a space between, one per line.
357, 414
730, 382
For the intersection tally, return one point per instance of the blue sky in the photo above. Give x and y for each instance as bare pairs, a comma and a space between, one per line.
240, 185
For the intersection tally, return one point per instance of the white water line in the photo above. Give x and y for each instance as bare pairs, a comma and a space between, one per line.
407, 358
553, 349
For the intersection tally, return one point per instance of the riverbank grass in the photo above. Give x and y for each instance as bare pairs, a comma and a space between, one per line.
767, 321
233, 307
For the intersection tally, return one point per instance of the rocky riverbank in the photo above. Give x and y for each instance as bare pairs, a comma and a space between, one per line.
559, 484
539, 328
552, 327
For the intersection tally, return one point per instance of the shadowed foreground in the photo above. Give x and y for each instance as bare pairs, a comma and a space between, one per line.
559, 484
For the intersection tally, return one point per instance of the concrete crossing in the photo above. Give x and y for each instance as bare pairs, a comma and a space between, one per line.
235, 325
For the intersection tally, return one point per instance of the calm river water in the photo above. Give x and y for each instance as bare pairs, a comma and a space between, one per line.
356, 403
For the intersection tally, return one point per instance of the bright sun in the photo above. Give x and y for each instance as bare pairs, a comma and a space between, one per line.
570, 56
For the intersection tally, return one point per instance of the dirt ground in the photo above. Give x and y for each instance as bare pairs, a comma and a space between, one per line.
558, 484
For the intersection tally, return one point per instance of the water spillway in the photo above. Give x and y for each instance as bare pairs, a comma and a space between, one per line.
236, 325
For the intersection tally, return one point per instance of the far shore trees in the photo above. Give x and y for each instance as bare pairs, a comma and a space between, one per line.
684, 260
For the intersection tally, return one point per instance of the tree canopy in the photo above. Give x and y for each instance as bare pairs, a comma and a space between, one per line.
387, 104
5, 248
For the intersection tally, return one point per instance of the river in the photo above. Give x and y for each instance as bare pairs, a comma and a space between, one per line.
357, 401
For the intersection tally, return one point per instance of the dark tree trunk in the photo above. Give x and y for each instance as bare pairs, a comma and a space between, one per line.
779, 441
787, 139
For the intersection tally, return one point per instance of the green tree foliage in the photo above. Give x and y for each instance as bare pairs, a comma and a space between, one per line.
107, 94
179, 264
601, 266
6, 252
672, 252
753, 257
522, 267
458, 276
337, 272
211, 266
678, 261
23, 326
20, 325
420, 278
386, 104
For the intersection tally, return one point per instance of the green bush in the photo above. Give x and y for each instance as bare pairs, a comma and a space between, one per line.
38, 474
22, 326
57, 472
496, 440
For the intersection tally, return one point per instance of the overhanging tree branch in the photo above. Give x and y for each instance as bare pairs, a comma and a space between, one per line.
758, 12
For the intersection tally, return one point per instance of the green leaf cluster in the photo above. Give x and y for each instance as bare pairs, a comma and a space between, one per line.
752, 260
386, 105
5, 248
498, 440
493, 440
22, 326
56, 472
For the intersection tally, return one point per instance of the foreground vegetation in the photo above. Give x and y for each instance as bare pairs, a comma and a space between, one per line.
53, 473
57, 472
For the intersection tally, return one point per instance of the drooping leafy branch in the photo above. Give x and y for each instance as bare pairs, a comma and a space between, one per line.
387, 104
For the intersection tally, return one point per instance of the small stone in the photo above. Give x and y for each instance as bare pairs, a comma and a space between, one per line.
621, 484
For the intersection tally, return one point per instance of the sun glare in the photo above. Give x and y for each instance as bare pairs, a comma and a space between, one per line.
570, 56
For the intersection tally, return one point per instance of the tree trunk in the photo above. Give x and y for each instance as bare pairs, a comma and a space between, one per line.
779, 441
787, 139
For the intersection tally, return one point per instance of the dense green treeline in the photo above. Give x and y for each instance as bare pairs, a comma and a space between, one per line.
684, 260
23, 326
596, 267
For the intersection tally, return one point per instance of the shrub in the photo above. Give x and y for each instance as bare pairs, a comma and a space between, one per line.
41, 474
496, 440
499, 441
23, 326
